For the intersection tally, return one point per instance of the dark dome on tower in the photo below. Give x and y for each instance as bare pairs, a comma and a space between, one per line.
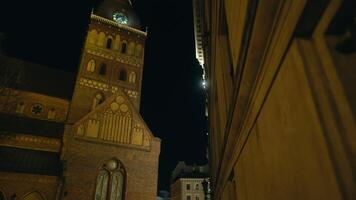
120, 11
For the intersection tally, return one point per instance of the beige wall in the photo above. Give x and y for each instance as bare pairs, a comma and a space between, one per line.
281, 109
179, 190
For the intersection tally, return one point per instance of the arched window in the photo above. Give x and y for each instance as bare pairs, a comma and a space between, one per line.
102, 182
122, 75
91, 65
33, 196
132, 77
108, 43
97, 100
123, 47
110, 183
102, 70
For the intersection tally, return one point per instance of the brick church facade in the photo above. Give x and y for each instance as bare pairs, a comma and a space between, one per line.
89, 142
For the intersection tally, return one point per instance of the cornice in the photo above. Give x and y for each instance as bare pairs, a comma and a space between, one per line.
112, 23
32, 142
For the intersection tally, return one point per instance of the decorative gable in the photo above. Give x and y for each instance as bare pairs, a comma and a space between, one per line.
115, 121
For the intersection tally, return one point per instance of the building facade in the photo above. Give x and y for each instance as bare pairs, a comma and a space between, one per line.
281, 98
81, 138
187, 182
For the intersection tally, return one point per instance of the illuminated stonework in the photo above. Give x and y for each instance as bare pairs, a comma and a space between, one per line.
94, 84
114, 122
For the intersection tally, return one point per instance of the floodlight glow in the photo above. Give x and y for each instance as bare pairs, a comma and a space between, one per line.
204, 84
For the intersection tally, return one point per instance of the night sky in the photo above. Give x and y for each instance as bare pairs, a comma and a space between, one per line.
52, 33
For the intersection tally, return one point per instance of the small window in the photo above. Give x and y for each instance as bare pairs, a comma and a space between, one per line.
196, 197
188, 186
196, 186
109, 43
122, 75
123, 47
98, 99
189, 197
102, 70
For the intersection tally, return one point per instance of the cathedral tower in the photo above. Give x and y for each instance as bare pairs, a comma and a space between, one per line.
112, 58
108, 151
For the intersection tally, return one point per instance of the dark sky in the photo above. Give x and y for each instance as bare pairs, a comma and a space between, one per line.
52, 33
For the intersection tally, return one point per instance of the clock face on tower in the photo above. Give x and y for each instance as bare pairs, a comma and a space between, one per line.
120, 17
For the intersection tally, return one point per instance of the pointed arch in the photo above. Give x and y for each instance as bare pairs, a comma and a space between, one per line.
111, 181
91, 65
101, 39
35, 195
102, 182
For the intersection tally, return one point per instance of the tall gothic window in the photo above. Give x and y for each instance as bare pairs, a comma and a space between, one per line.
122, 75
102, 70
91, 66
110, 183
109, 43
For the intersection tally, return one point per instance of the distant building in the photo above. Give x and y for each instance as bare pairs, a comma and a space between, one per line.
280, 82
80, 136
186, 182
